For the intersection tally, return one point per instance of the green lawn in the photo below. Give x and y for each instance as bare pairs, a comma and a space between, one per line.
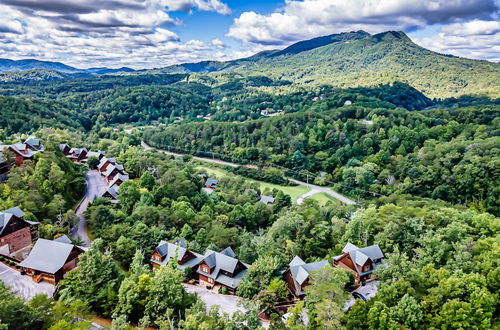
293, 191
323, 198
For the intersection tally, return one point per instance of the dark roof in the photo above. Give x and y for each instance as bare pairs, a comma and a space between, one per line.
6, 216
167, 251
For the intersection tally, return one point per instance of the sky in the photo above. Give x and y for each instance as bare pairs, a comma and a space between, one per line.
158, 33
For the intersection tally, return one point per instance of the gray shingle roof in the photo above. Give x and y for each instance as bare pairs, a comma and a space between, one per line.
211, 182
47, 256
167, 251
6, 216
301, 271
267, 199
223, 261
63, 239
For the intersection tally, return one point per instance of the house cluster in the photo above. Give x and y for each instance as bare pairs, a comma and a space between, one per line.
79, 155
22, 152
46, 260
113, 172
217, 270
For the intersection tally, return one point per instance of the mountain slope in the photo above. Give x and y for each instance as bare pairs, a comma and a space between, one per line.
22, 65
383, 58
360, 59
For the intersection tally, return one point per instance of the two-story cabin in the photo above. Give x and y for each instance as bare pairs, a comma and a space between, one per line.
360, 261
298, 273
65, 149
34, 144
105, 162
78, 155
166, 251
221, 269
50, 260
15, 232
112, 171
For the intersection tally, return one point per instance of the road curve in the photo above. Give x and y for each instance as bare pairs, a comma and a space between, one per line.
221, 162
96, 185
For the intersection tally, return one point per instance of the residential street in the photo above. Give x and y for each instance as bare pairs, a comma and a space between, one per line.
23, 286
227, 303
315, 188
96, 185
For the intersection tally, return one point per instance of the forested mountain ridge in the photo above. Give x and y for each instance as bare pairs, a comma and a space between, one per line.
359, 59
7, 65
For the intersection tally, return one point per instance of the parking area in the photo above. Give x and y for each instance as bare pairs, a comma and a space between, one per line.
368, 291
23, 286
228, 304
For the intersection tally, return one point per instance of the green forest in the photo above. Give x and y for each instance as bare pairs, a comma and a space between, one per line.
410, 137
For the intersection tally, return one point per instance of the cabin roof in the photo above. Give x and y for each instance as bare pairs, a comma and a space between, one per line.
300, 272
47, 256
6, 216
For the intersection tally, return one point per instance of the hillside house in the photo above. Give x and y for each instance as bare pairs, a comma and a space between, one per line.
65, 149
166, 251
34, 144
298, 273
113, 171
111, 193
15, 232
360, 261
268, 200
221, 269
21, 152
97, 154
78, 155
119, 179
105, 162
50, 260
211, 183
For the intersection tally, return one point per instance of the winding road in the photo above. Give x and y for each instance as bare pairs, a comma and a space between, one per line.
96, 185
315, 189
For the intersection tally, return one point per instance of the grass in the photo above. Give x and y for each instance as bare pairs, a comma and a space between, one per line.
293, 191
323, 198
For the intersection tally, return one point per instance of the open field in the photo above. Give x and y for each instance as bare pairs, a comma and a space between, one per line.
293, 191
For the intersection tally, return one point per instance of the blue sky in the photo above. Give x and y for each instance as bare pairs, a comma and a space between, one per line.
157, 33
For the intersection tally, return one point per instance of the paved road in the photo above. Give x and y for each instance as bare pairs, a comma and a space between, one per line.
228, 304
325, 190
96, 185
221, 162
308, 194
23, 286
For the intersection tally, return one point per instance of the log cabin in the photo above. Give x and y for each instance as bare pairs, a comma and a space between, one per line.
34, 144
65, 149
166, 251
298, 273
50, 260
221, 269
105, 162
15, 232
360, 261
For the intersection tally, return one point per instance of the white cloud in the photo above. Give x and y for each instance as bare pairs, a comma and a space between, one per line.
299, 20
204, 5
100, 32
474, 39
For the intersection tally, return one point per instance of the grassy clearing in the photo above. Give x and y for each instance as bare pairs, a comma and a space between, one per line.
293, 191
323, 198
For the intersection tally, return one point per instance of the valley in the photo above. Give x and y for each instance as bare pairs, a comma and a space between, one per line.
349, 181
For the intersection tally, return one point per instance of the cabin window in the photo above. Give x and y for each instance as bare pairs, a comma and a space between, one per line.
210, 280
204, 269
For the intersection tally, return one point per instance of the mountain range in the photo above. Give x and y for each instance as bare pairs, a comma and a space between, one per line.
343, 60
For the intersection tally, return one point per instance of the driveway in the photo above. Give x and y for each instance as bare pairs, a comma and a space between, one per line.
368, 291
227, 304
23, 286
308, 194
96, 185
